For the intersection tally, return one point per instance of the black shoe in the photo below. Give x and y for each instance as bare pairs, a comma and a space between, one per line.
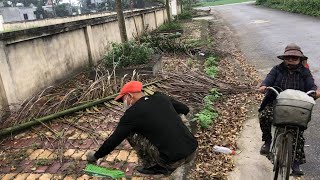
265, 148
296, 171
154, 170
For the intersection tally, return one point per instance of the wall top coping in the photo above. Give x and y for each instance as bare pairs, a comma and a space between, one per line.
37, 32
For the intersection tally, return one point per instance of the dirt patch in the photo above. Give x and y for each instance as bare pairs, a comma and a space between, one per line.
249, 164
233, 110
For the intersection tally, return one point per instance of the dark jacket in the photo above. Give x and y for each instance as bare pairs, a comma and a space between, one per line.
155, 117
276, 76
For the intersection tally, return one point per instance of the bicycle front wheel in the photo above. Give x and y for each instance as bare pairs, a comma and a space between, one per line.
277, 156
286, 157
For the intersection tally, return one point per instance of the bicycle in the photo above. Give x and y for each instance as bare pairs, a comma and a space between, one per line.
292, 112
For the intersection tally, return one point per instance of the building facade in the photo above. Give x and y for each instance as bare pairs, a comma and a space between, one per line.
12, 14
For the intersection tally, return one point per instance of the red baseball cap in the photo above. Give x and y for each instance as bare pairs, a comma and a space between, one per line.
129, 87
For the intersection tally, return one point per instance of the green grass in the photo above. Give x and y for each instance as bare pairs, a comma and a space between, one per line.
219, 2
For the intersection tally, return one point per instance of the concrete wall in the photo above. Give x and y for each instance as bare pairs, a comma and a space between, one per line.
33, 59
3, 101
46, 22
40, 62
150, 21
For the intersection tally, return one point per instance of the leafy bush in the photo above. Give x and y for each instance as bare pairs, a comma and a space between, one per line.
170, 26
260, 1
165, 43
310, 7
128, 53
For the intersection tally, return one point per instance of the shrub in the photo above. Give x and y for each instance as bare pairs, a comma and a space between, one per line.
310, 7
165, 43
128, 53
170, 26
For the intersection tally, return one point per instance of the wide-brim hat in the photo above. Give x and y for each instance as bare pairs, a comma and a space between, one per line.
130, 87
293, 50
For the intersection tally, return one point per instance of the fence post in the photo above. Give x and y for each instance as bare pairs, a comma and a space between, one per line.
143, 23
155, 18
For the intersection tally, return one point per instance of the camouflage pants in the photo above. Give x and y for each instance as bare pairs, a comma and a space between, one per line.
266, 118
149, 154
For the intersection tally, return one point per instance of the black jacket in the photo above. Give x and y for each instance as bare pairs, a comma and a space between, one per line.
275, 78
155, 117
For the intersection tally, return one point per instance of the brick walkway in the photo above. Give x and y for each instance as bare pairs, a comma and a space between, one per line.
58, 150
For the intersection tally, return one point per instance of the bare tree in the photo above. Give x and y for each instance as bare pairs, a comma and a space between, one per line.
121, 23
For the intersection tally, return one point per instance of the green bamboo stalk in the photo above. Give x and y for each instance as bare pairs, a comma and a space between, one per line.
37, 121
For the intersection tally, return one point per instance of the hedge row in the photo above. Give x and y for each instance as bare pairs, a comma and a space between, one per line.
308, 7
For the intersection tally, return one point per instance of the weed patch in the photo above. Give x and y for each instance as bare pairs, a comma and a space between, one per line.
207, 116
44, 162
211, 66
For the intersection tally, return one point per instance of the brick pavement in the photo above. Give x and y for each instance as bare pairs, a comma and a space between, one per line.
58, 152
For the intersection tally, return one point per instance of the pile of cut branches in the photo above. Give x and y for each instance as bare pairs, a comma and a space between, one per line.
79, 90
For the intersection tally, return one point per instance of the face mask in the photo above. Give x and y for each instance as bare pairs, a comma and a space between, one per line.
126, 105
293, 66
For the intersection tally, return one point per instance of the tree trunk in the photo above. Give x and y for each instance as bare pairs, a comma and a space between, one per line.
168, 10
121, 23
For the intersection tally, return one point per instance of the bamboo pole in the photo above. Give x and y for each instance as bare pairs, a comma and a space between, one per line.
20, 127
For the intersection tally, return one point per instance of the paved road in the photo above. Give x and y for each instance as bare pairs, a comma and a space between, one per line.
263, 34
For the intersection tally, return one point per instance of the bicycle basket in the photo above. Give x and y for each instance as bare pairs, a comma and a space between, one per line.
292, 112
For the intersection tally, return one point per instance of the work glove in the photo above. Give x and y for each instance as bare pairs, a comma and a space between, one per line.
91, 158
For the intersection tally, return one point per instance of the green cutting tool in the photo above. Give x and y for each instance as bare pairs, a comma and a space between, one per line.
94, 170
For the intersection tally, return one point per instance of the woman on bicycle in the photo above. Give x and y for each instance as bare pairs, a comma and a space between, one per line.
290, 74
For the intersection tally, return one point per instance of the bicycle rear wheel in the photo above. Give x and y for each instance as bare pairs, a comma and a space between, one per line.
286, 157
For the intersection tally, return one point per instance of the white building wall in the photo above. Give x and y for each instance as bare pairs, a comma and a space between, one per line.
11, 14
174, 7
1, 23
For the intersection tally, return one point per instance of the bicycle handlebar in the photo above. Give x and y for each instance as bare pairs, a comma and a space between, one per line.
311, 91
273, 89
